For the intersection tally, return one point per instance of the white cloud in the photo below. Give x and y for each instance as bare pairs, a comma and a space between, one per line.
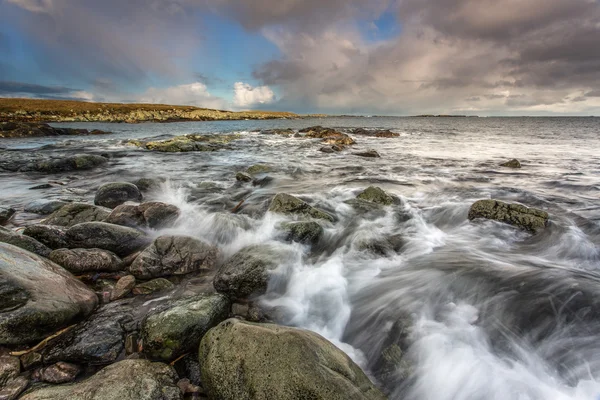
247, 96
193, 94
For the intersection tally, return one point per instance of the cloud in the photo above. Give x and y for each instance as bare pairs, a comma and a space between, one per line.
194, 94
7, 87
247, 96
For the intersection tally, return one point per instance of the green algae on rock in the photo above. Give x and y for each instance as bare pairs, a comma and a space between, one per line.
530, 219
284, 203
186, 143
376, 195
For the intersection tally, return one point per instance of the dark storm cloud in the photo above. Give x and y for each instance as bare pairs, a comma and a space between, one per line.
28, 88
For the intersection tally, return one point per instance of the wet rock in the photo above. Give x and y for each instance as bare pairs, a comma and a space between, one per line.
36, 129
61, 372
31, 360
42, 186
530, 219
366, 207
121, 240
10, 367
376, 195
98, 340
148, 184
327, 149
383, 247
243, 177
262, 182
514, 163
24, 242
381, 133
78, 261
177, 327
6, 213
284, 203
173, 255
329, 136
76, 213
242, 360
54, 237
66, 164
258, 169
153, 286
247, 272
187, 387
368, 154
125, 380
306, 232
113, 194
153, 215
44, 207
13, 388
37, 297
123, 287
280, 132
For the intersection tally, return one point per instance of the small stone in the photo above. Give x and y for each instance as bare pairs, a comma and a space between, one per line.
12, 389
187, 387
376, 195
6, 213
113, 194
243, 177
123, 287
61, 372
284, 203
31, 360
326, 149
44, 207
368, 154
258, 169
514, 163
86, 260
10, 367
42, 186
131, 343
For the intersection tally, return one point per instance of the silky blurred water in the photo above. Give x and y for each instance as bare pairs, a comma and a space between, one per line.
485, 311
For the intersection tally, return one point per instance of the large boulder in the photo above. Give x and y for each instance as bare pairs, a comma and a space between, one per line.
153, 215
247, 272
54, 237
530, 219
173, 255
76, 213
121, 240
284, 203
125, 380
243, 360
376, 195
86, 260
113, 194
24, 242
177, 327
37, 297
305, 232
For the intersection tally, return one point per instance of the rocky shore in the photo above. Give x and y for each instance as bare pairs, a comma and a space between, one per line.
33, 110
97, 300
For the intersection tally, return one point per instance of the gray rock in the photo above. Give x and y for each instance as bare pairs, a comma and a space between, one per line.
307, 232
120, 240
77, 213
367, 154
153, 286
530, 219
37, 297
125, 380
284, 203
61, 372
113, 194
10, 367
54, 237
247, 272
243, 177
258, 169
177, 327
148, 184
376, 195
86, 260
24, 242
123, 287
31, 360
514, 163
6, 213
243, 361
13, 388
66, 164
153, 215
383, 247
327, 149
44, 207
173, 255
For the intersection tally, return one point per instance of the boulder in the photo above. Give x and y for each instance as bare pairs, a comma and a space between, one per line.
121, 240
242, 360
125, 380
329, 136
66, 164
530, 219
24, 242
153, 215
173, 255
78, 261
54, 237
10, 367
514, 163
61, 372
284, 203
383, 247
37, 297
243, 177
177, 327
306, 232
148, 184
191, 142
376, 195
113, 194
247, 272
153, 286
258, 169
123, 287
380, 133
6, 213
98, 340
367, 154
13, 388
76, 213
44, 207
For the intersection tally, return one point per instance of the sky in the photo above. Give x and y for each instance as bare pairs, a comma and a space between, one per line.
368, 57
